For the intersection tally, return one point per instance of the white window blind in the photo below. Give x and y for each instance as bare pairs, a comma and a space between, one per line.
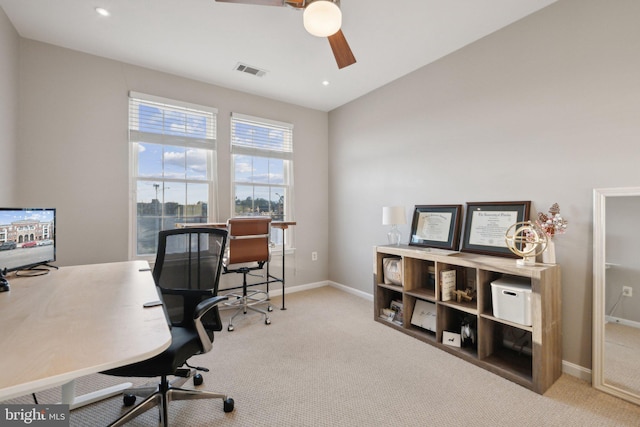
255, 136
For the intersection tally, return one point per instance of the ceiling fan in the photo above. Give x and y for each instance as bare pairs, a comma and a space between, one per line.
321, 18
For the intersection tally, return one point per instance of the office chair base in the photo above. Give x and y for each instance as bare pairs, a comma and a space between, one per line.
130, 395
166, 393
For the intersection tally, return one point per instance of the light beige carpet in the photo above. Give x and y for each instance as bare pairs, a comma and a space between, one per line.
325, 362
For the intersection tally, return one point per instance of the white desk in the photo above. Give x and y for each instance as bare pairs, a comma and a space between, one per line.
77, 321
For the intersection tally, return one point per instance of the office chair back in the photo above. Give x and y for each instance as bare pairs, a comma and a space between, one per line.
187, 270
248, 240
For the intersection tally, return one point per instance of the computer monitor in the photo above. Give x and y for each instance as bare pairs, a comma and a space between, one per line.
27, 237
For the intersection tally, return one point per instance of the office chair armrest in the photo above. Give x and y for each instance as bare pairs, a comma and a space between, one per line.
201, 310
206, 305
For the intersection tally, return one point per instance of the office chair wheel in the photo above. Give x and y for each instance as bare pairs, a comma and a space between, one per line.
128, 399
267, 321
228, 405
230, 328
269, 308
197, 379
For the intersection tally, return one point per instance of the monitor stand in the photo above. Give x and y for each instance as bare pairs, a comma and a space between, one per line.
4, 283
36, 270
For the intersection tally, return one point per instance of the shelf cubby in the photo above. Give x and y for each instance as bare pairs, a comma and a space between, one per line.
450, 320
419, 276
509, 348
414, 330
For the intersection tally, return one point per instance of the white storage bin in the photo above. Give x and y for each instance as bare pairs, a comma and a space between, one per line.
511, 297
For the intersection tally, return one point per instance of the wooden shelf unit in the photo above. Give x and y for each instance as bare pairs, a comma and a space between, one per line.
536, 366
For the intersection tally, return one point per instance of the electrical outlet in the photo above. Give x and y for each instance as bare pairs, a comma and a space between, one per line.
314, 256
627, 291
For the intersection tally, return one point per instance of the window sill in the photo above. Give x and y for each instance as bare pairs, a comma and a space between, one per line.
278, 251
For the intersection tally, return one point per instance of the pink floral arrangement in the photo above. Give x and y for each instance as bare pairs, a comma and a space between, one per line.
552, 223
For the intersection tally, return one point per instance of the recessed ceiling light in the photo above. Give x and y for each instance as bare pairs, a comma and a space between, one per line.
102, 11
325, 82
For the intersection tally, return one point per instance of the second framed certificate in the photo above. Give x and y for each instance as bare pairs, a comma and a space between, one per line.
436, 226
486, 224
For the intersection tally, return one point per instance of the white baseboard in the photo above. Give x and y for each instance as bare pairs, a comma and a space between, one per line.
576, 371
276, 290
622, 321
350, 290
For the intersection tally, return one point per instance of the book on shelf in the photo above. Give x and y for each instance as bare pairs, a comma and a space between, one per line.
447, 284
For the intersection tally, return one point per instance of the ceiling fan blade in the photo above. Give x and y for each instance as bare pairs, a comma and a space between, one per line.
258, 2
296, 4
341, 50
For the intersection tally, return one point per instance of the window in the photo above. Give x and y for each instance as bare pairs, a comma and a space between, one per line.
173, 149
262, 169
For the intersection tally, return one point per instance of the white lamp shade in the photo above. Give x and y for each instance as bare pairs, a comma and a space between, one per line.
393, 215
322, 18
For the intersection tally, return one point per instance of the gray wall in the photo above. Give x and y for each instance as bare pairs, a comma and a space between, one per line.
8, 109
543, 110
73, 152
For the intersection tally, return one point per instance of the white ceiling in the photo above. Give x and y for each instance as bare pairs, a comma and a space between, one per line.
204, 40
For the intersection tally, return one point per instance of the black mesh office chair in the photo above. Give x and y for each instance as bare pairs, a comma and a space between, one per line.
187, 273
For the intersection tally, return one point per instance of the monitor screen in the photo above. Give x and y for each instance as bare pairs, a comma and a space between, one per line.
27, 237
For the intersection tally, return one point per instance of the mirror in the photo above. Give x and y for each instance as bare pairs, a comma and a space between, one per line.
616, 292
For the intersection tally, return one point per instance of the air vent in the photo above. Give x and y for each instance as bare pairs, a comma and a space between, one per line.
250, 70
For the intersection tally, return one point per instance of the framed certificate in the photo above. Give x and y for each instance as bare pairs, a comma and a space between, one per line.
436, 226
486, 224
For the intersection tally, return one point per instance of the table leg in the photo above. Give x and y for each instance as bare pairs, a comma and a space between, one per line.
283, 258
69, 394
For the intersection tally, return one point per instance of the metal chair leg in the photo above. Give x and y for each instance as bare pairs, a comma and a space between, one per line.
246, 302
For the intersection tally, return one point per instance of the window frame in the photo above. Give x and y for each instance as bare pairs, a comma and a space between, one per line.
208, 143
286, 153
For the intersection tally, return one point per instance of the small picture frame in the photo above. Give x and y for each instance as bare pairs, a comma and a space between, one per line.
398, 314
451, 338
486, 224
436, 226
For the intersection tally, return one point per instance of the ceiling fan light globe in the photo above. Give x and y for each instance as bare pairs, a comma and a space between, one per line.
322, 18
